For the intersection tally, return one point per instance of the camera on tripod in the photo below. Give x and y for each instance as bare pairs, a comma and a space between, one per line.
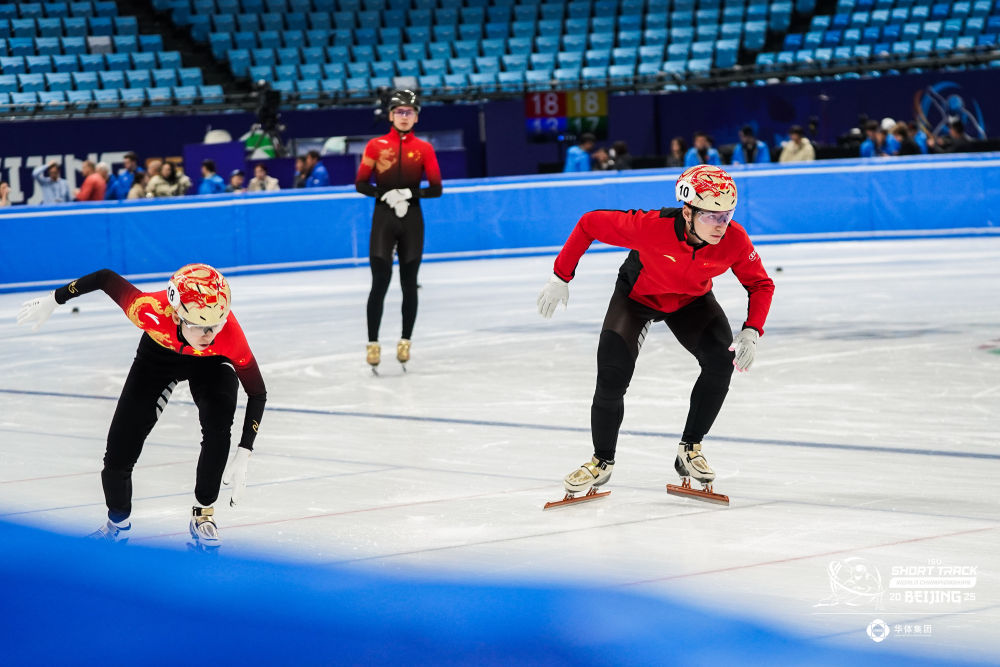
268, 107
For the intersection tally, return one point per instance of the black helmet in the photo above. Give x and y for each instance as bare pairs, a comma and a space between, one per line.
404, 98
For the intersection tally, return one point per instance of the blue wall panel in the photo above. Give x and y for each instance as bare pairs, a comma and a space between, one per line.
918, 195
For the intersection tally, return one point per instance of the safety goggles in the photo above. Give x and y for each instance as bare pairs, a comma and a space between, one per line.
715, 217
201, 328
404, 113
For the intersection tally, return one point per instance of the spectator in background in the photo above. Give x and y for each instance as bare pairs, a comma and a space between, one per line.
168, 183
750, 149
907, 146
94, 184
212, 183
891, 146
601, 160
578, 157
300, 172
122, 184
4, 194
261, 182
919, 136
55, 189
318, 176
957, 140
138, 189
874, 145
678, 149
153, 168
620, 157
236, 181
701, 152
798, 148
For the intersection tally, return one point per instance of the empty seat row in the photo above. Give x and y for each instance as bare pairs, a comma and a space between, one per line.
865, 52
973, 8
69, 26
893, 33
89, 63
54, 46
111, 98
599, 7
96, 80
39, 10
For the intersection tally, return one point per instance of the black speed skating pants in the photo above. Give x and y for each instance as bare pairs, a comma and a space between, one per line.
154, 374
701, 327
406, 236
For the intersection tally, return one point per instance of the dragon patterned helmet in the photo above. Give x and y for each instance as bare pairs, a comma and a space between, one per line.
200, 295
707, 188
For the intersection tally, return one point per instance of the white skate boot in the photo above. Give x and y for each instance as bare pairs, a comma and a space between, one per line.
113, 532
585, 479
690, 463
203, 528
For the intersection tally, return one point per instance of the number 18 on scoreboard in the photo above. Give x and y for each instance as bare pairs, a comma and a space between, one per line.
556, 114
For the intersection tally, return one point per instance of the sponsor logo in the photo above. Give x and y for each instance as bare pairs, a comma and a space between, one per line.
878, 630
753, 256
671, 258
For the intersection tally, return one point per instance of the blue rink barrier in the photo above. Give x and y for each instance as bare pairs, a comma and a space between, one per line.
70, 601
914, 196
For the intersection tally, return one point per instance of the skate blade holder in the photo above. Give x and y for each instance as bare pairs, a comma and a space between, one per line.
706, 494
572, 499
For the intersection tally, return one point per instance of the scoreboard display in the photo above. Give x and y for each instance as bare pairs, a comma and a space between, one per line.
566, 114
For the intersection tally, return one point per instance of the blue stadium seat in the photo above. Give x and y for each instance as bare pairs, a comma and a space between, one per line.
49, 27
436, 66
519, 45
357, 86
765, 61
256, 73
56, 9
105, 8
363, 52
679, 51
332, 86
602, 57
21, 46
159, 96
38, 64
812, 39
383, 69
285, 72
164, 77
654, 36
793, 41
8, 83
133, 97
84, 80
542, 61
953, 27
357, 70
486, 64
569, 59
514, 62
333, 71
65, 63
31, 82
307, 89
24, 102
538, 79
188, 94
287, 56
852, 36
117, 61
726, 52
511, 81
484, 81
126, 25
111, 79
408, 67
125, 43
138, 78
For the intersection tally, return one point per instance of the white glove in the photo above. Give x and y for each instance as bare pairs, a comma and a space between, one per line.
236, 474
398, 200
555, 290
745, 346
37, 310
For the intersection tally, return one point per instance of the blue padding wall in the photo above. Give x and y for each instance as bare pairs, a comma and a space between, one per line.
70, 601
833, 199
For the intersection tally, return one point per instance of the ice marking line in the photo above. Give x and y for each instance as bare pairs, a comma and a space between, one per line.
80, 474
550, 427
501, 540
362, 510
806, 557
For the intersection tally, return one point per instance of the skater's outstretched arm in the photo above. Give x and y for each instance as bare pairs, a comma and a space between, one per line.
120, 290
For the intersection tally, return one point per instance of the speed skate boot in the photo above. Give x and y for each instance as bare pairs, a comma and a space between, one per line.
113, 532
403, 351
691, 464
586, 479
373, 355
203, 528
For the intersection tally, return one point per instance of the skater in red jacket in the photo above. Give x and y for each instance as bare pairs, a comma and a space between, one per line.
675, 253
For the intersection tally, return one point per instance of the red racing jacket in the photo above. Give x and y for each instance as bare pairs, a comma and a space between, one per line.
671, 271
398, 161
151, 312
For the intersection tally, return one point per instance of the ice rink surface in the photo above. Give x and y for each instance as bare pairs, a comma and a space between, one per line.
862, 446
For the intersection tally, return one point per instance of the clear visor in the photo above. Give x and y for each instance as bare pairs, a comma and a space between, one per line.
715, 217
201, 329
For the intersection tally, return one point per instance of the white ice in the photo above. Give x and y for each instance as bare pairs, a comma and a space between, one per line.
847, 443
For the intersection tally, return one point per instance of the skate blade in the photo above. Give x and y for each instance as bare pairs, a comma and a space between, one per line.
572, 500
686, 491
200, 547
375, 371
403, 365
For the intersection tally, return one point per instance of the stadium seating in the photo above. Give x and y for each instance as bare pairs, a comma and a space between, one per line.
54, 55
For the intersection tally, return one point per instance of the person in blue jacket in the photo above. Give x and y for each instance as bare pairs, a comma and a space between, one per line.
119, 186
318, 176
212, 183
578, 157
875, 145
750, 149
701, 152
